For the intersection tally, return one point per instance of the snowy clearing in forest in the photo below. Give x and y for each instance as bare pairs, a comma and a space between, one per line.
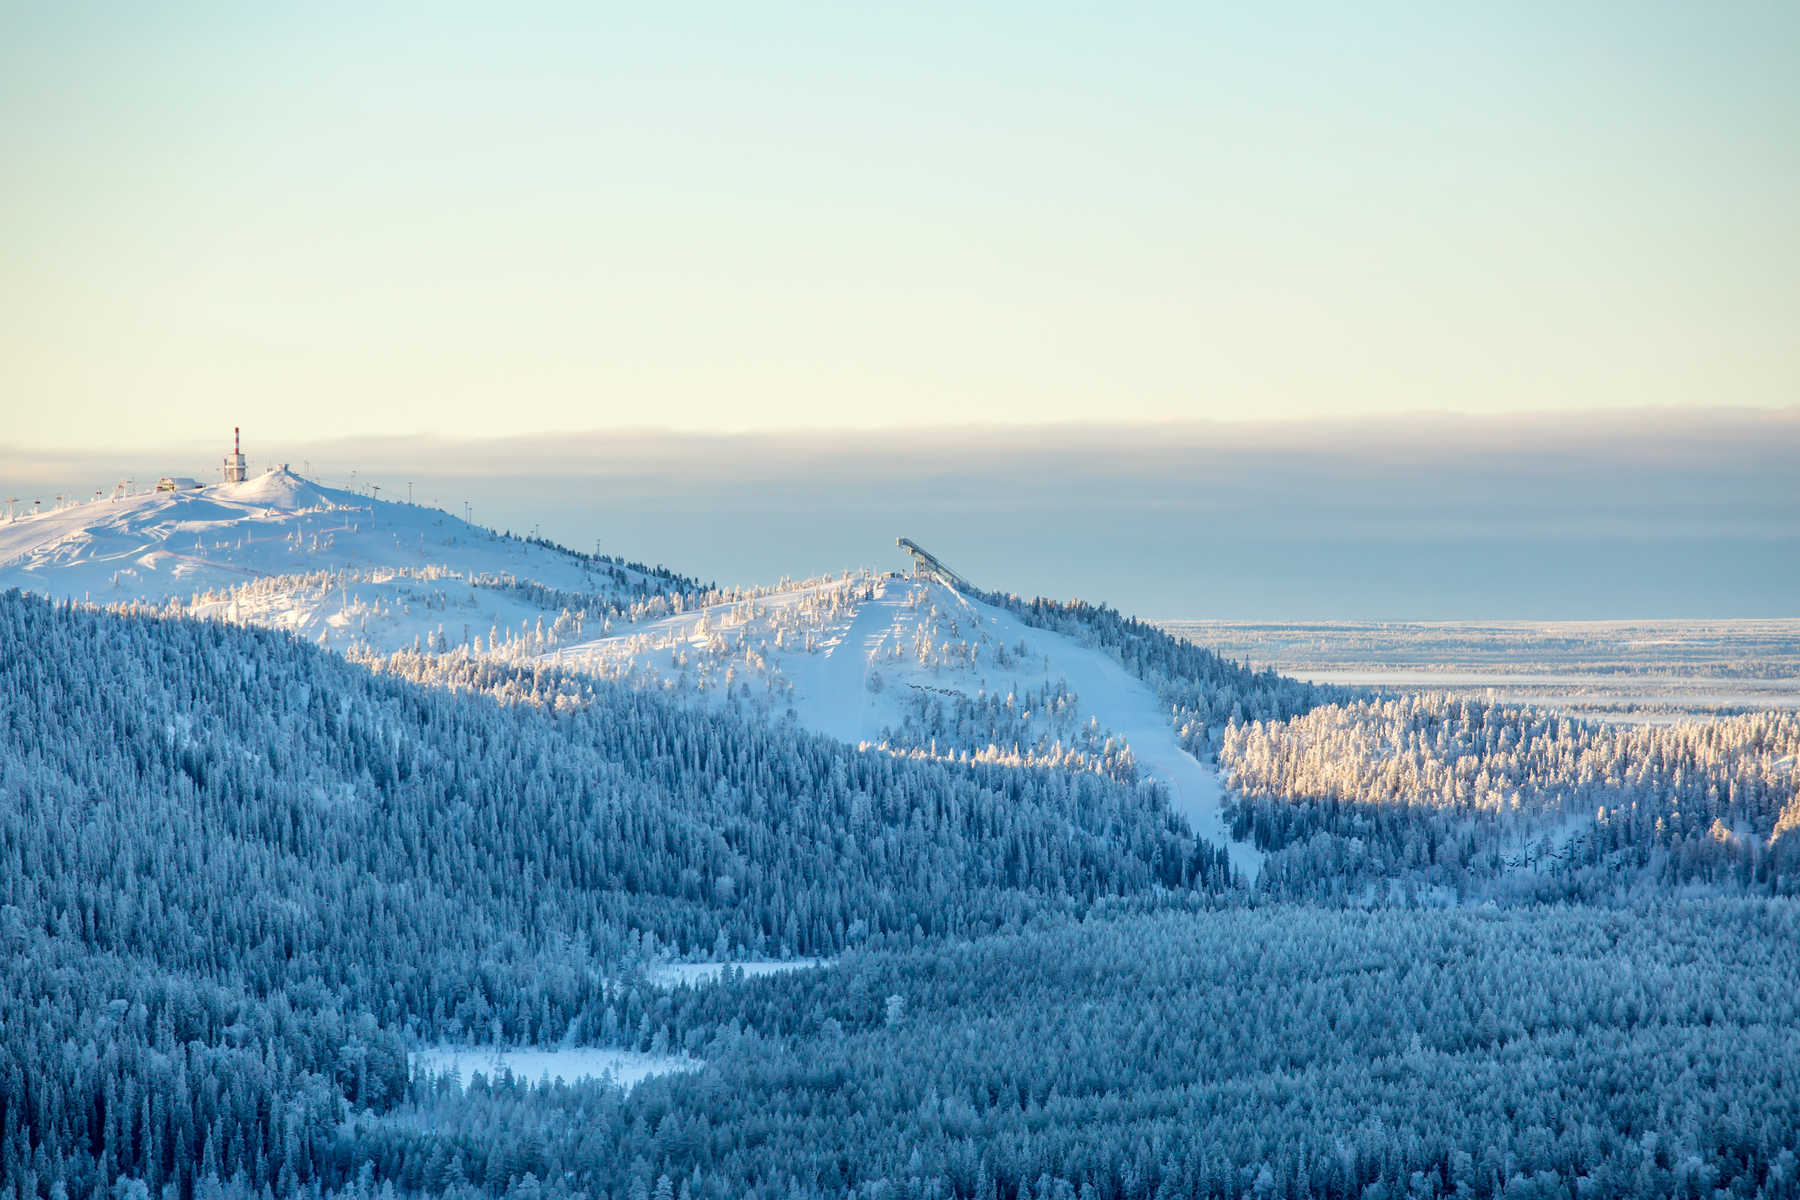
695, 973
576, 1064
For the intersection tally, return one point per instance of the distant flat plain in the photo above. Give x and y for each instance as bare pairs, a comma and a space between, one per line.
1649, 671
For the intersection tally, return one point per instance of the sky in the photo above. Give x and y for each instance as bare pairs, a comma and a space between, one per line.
371, 220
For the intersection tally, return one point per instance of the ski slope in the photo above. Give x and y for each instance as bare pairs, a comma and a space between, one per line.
852, 656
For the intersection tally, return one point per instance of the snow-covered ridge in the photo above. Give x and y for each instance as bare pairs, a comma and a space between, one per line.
326, 564
162, 545
915, 666
907, 665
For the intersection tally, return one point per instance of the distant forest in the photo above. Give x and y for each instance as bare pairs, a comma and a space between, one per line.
1482, 798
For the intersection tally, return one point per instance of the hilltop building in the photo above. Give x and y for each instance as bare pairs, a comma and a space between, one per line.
176, 483
235, 471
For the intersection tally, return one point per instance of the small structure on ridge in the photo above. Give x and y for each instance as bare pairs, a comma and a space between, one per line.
235, 471
927, 565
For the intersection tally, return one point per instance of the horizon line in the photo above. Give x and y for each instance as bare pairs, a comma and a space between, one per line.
1437, 420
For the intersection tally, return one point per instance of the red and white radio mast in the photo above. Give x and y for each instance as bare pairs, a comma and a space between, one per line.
234, 462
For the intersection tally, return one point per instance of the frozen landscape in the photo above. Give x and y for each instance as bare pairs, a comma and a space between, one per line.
924, 667
868, 658
513, 864
874, 659
629, 602
330, 565
1631, 671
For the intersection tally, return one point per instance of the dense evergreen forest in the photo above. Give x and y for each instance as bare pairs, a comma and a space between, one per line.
1270, 1052
198, 762
233, 834
242, 879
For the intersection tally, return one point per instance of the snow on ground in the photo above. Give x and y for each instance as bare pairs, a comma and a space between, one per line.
692, 974
851, 656
388, 610
861, 657
626, 1068
280, 550
1650, 672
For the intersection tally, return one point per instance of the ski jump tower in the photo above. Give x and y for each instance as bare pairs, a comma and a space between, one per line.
234, 462
927, 565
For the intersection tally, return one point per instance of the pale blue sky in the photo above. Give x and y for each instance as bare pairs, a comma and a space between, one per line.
360, 219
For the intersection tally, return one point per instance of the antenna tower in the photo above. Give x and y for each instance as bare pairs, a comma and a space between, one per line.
235, 469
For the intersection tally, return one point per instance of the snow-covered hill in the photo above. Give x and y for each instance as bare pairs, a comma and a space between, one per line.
330, 565
906, 664
917, 667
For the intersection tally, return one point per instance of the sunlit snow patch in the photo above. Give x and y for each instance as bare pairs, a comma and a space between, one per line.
625, 1068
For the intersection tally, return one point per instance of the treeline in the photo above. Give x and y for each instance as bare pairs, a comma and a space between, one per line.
616, 567
1452, 792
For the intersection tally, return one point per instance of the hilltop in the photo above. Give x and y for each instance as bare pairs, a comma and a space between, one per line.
158, 545
917, 667
325, 563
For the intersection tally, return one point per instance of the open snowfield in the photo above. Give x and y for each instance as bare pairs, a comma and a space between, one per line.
626, 1068
282, 551
1637, 671
855, 657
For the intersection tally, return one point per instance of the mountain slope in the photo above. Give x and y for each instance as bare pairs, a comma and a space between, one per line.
917, 666
907, 664
232, 860
345, 806
329, 565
